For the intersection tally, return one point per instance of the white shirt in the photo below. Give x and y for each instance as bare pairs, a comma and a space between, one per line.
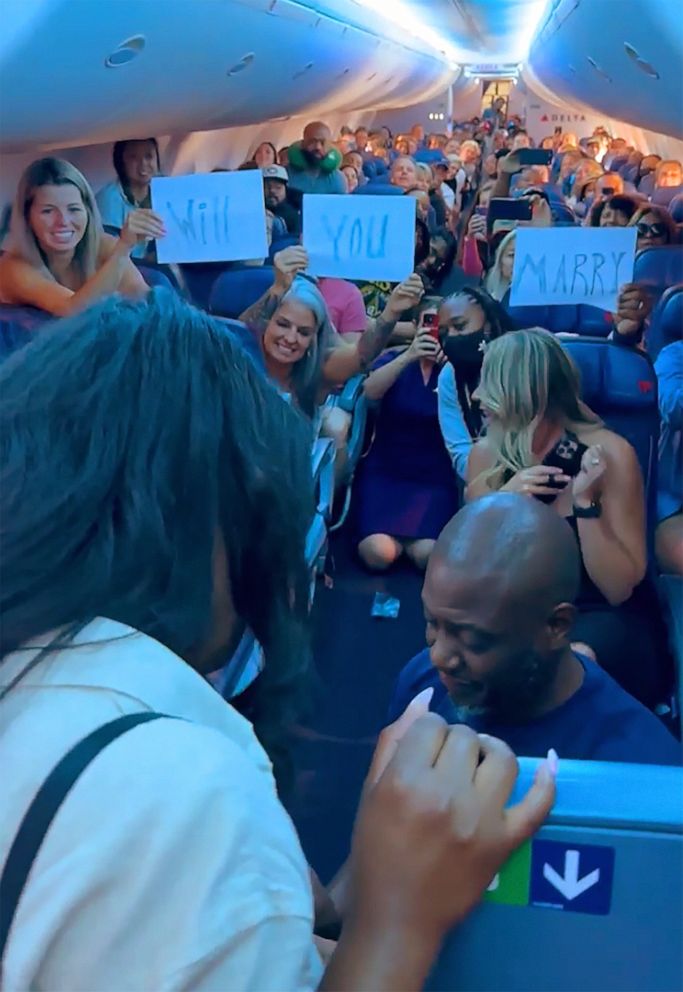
171, 864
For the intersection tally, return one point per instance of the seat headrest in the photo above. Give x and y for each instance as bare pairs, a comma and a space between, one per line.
236, 289
659, 267
676, 208
665, 194
613, 378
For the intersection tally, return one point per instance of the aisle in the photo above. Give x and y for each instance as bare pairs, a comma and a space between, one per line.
357, 660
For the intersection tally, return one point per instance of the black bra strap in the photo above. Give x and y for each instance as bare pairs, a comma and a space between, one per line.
44, 808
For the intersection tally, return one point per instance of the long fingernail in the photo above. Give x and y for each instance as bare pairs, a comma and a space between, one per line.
423, 698
553, 762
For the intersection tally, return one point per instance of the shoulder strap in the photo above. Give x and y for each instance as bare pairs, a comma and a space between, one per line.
44, 808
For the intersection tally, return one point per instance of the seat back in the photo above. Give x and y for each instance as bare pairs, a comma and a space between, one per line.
593, 901
620, 385
289, 241
565, 318
153, 276
676, 208
659, 268
378, 187
666, 325
236, 289
665, 194
647, 184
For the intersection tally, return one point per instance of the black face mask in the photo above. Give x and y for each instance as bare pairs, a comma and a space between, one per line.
465, 351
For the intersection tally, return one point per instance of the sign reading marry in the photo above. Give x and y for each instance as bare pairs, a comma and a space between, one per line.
360, 237
556, 265
218, 217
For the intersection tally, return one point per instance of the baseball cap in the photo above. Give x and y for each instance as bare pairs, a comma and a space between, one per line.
275, 172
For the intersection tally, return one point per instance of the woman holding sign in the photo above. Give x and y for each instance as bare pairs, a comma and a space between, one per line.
302, 351
58, 257
544, 442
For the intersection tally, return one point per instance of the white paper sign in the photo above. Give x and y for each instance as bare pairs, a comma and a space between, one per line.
360, 237
217, 217
556, 265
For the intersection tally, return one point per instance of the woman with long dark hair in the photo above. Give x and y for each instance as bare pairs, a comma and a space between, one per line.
155, 499
136, 162
468, 321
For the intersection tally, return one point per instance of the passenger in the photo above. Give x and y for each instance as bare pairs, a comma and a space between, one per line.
498, 600
265, 155
424, 208
443, 171
361, 139
351, 176
669, 534
303, 355
521, 140
275, 181
608, 181
543, 441
495, 114
655, 227
405, 491
648, 166
616, 211
440, 275
135, 163
283, 156
314, 163
468, 321
499, 277
355, 160
418, 133
593, 148
403, 173
668, 173
57, 257
129, 567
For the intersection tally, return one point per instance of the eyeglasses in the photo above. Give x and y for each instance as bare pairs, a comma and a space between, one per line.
651, 230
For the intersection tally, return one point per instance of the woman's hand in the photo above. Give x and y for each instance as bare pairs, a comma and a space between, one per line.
588, 484
404, 297
139, 226
534, 481
424, 346
510, 164
634, 306
433, 831
288, 263
477, 227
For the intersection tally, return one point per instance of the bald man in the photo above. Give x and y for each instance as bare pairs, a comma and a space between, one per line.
314, 162
498, 598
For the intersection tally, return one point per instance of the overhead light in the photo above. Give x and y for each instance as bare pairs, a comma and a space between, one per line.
406, 17
125, 52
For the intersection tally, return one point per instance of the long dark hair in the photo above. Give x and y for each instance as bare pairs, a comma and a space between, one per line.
117, 157
131, 437
496, 323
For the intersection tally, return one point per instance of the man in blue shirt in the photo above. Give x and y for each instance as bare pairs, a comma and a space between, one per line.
498, 597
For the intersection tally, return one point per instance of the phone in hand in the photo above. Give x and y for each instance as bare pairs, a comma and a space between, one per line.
608, 191
429, 320
566, 455
534, 156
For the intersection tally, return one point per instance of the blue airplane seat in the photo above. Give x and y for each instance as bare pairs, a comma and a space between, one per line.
153, 275
378, 187
659, 268
18, 326
665, 194
593, 901
646, 186
630, 173
566, 318
289, 241
620, 385
666, 325
428, 155
370, 168
562, 214
236, 289
676, 208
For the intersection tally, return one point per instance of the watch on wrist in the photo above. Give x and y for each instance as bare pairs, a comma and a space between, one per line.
588, 512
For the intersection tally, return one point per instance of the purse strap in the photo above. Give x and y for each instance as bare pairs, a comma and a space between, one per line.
44, 808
